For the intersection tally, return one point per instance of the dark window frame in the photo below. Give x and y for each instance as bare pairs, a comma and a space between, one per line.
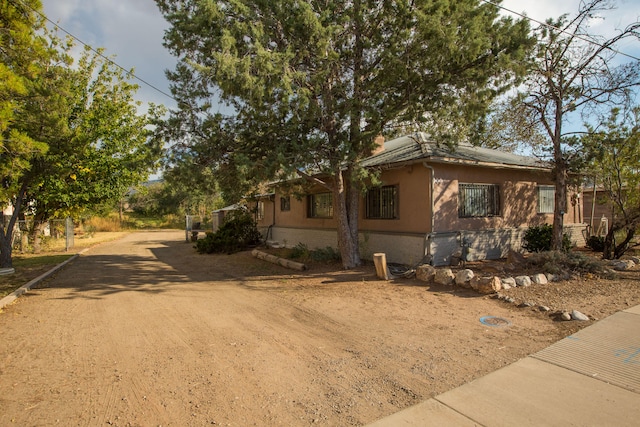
320, 205
382, 202
285, 203
478, 200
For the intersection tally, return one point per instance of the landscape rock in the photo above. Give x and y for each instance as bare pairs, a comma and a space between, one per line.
486, 284
425, 272
508, 283
565, 316
523, 281
510, 300
544, 308
463, 278
552, 277
444, 276
539, 279
623, 264
576, 315
635, 259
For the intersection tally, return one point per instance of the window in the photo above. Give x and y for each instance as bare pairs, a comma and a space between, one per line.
285, 203
478, 200
382, 202
546, 198
320, 205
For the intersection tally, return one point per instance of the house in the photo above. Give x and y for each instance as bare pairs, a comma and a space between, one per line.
434, 204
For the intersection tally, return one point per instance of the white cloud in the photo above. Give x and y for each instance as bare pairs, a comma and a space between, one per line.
133, 31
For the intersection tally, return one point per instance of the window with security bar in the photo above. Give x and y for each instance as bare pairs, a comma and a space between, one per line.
478, 200
382, 202
285, 203
546, 198
320, 205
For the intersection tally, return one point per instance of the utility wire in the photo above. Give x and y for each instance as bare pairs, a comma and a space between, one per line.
111, 61
171, 96
585, 39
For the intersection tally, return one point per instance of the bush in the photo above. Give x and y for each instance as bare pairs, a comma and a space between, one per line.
539, 238
561, 263
237, 233
302, 252
596, 243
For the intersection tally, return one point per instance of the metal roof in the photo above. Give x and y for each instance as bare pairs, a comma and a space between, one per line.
417, 147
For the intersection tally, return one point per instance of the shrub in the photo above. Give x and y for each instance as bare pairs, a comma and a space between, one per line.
237, 233
302, 252
538, 238
557, 262
596, 243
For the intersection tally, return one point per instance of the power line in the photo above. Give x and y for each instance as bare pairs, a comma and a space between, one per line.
585, 39
111, 61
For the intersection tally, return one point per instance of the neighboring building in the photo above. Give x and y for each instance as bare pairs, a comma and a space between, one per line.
433, 202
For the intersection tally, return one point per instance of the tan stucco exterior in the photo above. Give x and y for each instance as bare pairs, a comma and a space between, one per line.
423, 217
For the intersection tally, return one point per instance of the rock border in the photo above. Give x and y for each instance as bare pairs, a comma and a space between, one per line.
492, 285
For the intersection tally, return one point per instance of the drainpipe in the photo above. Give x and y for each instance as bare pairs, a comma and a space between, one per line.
432, 173
427, 239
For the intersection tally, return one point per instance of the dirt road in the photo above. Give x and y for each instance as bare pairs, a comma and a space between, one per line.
144, 331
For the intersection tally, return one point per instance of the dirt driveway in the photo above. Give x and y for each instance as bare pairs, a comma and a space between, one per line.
144, 331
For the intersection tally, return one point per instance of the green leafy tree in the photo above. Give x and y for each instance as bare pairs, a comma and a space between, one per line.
97, 145
573, 73
24, 54
313, 83
616, 153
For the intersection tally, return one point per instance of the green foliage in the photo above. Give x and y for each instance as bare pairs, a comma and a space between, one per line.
237, 233
596, 243
615, 153
539, 238
302, 252
313, 83
562, 263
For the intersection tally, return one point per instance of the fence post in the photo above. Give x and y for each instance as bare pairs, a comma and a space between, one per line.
68, 234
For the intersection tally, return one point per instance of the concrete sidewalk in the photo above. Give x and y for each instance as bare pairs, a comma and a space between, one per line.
591, 378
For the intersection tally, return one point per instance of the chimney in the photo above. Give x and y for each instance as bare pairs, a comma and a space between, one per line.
378, 145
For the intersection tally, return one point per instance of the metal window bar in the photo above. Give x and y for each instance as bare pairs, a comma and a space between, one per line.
478, 200
381, 202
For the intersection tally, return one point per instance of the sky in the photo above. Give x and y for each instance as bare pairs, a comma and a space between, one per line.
132, 31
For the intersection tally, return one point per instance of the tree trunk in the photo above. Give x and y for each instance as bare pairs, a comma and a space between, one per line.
5, 251
624, 245
347, 223
561, 207
6, 234
609, 244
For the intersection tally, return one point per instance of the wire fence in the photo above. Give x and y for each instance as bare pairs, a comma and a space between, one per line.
35, 236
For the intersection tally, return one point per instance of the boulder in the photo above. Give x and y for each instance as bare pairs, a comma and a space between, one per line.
565, 316
539, 279
425, 272
623, 264
576, 315
508, 283
444, 276
486, 284
523, 281
463, 278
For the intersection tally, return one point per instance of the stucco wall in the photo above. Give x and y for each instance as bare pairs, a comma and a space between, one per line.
518, 198
399, 248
